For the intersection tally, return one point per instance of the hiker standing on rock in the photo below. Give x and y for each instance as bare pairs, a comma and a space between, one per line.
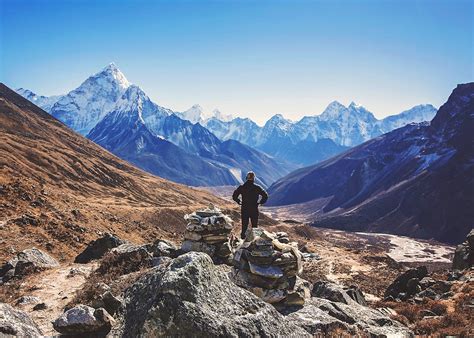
249, 205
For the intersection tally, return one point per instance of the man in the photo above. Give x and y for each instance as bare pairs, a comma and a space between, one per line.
250, 194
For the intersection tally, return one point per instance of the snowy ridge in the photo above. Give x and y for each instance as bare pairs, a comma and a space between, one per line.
346, 126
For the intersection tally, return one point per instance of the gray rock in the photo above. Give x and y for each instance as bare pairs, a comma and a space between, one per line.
353, 317
162, 247
188, 246
111, 303
399, 285
157, 261
27, 300
83, 319
427, 282
193, 297
131, 254
413, 286
464, 254
337, 293
26, 262
316, 321
40, 306
16, 323
273, 272
38, 258
98, 248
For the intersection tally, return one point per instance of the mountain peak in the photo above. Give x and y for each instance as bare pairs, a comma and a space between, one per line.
277, 117
113, 72
333, 110
355, 105
216, 113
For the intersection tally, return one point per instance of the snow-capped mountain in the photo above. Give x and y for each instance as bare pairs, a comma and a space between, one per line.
196, 114
419, 177
312, 139
123, 131
112, 112
417, 114
337, 127
241, 129
82, 108
44, 102
346, 126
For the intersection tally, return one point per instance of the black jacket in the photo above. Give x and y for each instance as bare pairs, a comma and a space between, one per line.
250, 193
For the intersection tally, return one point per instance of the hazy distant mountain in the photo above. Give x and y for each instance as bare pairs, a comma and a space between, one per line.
338, 127
44, 102
196, 114
417, 180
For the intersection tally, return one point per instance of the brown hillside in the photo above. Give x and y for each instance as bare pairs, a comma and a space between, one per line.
58, 190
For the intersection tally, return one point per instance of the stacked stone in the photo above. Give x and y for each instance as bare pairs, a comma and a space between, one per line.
208, 231
267, 264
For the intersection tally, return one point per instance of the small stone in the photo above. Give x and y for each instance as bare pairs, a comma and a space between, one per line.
40, 306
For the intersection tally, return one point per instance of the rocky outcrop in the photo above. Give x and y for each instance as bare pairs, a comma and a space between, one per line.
208, 231
407, 284
337, 293
322, 316
267, 265
26, 262
464, 254
98, 248
82, 320
16, 323
193, 297
416, 284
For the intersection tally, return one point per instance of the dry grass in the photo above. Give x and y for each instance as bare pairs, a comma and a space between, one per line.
114, 271
454, 316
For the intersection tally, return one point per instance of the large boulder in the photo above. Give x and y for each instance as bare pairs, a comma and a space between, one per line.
16, 323
464, 254
26, 262
406, 284
98, 248
193, 297
337, 293
82, 319
322, 316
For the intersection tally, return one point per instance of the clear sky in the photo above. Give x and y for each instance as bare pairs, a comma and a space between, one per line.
248, 58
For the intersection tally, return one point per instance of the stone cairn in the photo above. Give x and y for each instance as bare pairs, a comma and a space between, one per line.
208, 231
267, 264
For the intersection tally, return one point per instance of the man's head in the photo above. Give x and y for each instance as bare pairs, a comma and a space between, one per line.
250, 176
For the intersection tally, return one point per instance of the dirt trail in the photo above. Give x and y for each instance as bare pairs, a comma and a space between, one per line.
56, 287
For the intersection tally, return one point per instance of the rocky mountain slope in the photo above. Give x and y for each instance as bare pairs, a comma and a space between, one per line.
58, 189
416, 180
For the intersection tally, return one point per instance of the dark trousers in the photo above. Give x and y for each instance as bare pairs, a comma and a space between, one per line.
248, 214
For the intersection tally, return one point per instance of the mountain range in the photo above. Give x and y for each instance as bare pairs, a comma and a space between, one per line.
315, 138
417, 180
219, 149
122, 118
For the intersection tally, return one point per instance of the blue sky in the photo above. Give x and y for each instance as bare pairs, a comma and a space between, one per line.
248, 58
